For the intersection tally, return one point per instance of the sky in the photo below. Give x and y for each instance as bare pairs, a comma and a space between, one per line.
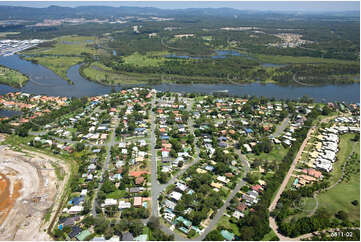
301, 6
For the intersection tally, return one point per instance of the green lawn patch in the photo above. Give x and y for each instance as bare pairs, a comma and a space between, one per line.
270, 236
225, 222
117, 194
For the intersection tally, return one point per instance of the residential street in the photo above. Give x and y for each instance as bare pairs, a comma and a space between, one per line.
280, 128
222, 210
290, 171
110, 144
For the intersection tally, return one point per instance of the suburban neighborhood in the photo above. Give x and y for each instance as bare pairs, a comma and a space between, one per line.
155, 165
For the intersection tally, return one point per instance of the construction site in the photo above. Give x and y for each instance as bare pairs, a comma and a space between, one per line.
30, 191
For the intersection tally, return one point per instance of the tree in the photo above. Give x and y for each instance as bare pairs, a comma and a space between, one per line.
136, 228
354, 202
79, 147
341, 215
247, 233
252, 178
214, 236
108, 186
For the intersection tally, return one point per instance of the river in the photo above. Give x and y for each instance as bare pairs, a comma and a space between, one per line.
44, 81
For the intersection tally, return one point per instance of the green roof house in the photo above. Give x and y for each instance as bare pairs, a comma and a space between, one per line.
186, 222
82, 236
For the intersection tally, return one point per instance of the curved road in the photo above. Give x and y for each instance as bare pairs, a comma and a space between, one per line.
222, 210
272, 206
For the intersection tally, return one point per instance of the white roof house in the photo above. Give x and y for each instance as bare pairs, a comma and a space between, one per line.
75, 209
124, 204
176, 195
222, 179
181, 186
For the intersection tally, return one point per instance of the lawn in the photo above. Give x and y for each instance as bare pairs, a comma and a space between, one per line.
345, 148
117, 194
277, 154
224, 221
58, 64
269, 236
340, 197
12, 77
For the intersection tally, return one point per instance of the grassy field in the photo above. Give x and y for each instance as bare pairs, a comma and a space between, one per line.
64, 54
280, 59
103, 74
58, 64
68, 45
12, 77
100, 73
151, 59
340, 197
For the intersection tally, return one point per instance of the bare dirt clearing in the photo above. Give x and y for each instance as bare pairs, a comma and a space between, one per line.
29, 188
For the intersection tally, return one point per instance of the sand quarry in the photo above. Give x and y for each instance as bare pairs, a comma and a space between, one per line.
28, 188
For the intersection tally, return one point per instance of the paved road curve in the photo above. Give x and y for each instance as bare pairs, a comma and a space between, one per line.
280, 128
222, 210
272, 206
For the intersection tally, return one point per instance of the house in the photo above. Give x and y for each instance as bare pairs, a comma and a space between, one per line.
124, 204
176, 196
127, 237
237, 214
76, 200
169, 204
98, 239
137, 202
135, 189
247, 147
83, 235
137, 173
209, 168
169, 216
181, 187
75, 230
257, 188
241, 207
222, 179
184, 221
139, 180
69, 221
109, 202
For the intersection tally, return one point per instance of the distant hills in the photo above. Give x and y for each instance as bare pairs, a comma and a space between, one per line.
101, 12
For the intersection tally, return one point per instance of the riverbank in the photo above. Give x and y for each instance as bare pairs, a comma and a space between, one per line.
12, 77
45, 81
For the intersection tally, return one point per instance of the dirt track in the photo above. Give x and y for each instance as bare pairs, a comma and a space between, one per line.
28, 188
